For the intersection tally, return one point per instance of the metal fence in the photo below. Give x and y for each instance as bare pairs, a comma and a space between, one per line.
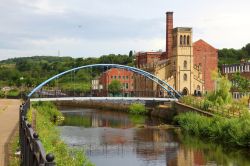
32, 151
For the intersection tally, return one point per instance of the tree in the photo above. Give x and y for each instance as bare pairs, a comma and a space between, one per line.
115, 87
130, 53
240, 83
222, 94
247, 49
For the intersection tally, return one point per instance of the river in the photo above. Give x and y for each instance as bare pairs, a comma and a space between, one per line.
119, 139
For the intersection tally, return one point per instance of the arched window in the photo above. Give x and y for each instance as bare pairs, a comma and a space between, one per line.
181, 40
188, 40
184, 40
185, 77
185, 64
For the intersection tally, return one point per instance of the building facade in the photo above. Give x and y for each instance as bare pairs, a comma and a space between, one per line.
125, 77
185, 65
243, 68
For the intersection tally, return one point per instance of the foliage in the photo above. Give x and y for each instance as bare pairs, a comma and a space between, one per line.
2, 94
46, 118
231, 56
240, 83
13, 93
232, 132
137, 108
14, 147
37, 69
115, 87
222, 94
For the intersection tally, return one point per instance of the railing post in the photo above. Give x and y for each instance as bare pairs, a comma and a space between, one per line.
32, 152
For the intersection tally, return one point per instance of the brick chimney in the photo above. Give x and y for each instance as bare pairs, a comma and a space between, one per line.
169, 34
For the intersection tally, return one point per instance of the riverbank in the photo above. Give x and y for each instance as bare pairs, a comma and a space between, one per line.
230, 132
46, 119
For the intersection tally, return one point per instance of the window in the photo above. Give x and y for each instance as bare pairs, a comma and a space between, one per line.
126, 85
185, 77
188, 40
119, 77
181, 40
184, 40
111, 77
115, 77
131, 77
185, 64
127, 77
123, 77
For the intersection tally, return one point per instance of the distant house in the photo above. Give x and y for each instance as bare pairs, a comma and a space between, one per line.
96, 87
243, 68
125, 77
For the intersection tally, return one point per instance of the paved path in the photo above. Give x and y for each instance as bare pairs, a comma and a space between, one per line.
9, 116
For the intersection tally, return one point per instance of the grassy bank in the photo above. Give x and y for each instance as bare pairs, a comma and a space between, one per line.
137, 109
232, 132
47, 117
12, 149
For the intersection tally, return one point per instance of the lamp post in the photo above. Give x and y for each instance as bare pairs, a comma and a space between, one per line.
21, 80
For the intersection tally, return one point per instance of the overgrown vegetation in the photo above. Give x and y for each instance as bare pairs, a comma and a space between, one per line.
219, 101
232, 132
137, 108
47, 117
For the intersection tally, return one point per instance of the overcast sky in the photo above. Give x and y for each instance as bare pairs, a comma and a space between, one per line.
81, 28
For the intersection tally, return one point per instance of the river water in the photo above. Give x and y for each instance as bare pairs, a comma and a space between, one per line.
118, 139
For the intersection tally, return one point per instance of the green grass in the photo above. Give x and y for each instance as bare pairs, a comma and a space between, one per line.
138, 109
47, 117
13, 93
231, 132
14, 146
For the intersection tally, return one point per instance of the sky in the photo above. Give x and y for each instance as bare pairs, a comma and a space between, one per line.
81, 28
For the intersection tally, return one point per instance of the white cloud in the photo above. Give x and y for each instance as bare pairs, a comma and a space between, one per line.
97, 27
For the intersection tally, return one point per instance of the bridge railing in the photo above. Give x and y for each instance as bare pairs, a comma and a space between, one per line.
32, 151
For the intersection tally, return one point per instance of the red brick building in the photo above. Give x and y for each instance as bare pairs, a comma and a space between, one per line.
199, 57
124, 76
206, 57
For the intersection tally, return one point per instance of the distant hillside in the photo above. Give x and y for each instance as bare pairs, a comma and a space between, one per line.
31, 71
230, 56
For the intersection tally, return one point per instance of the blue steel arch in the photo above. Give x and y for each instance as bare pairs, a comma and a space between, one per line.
150, 76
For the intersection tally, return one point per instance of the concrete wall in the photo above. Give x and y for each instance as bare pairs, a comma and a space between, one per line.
182, 108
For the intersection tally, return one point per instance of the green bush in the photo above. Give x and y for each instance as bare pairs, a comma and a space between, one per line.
13, 93
2, 95
47, 117
233, 132
137, 108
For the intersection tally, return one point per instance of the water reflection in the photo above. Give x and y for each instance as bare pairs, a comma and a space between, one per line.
112, 138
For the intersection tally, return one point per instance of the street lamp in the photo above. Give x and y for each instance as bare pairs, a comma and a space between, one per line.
21, 80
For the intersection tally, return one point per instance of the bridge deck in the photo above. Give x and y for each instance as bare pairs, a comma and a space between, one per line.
104, 99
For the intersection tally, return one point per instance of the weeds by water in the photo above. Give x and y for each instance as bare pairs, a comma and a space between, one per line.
232, 132
47, 117
137, 108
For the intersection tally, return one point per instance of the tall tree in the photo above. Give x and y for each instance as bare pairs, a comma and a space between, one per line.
115, 87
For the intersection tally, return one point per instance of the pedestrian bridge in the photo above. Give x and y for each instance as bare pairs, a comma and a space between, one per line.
103, 99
